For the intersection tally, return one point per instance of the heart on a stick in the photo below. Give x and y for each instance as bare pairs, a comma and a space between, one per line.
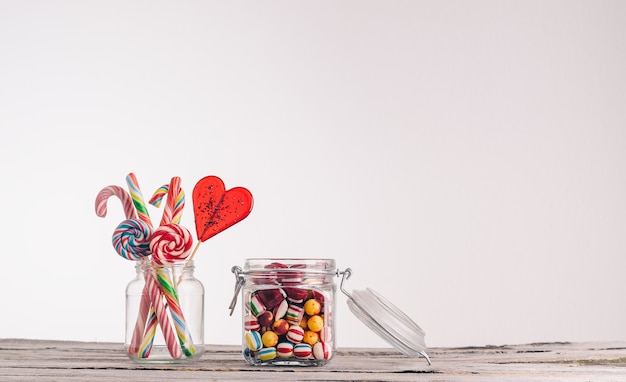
216, 208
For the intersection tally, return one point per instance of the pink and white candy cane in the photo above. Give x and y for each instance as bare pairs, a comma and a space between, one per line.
130, 213
104, 195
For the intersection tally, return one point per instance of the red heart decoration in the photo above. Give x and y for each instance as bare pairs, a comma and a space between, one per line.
216, 209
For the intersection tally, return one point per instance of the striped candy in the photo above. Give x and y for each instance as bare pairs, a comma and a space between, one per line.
284, 349
253, 341
137, 198
170, 243
106, 193
295, 334
267, 354
173, 211
146, 344
294, 314
322, 351
251, 323
163, 318
256, 306
302, 351
131, 239
171, 297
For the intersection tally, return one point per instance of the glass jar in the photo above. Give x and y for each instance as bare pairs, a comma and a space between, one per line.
164, 313
289, 308
288, 311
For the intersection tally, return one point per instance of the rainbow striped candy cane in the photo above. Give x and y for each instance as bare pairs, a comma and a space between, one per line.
172, 215
153, 292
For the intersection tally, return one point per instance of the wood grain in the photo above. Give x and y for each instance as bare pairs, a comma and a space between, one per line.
43, 361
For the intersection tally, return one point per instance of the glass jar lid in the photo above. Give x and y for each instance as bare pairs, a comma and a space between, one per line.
386, 320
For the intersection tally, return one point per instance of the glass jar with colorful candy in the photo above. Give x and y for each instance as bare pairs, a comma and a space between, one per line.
288, 308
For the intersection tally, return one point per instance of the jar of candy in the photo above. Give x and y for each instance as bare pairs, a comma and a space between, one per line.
289, 310
164, 313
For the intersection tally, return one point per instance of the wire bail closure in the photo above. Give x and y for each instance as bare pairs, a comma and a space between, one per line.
239, 282
344, 276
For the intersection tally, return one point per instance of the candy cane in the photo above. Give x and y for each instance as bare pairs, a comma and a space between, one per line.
173, 211
152, 289
104, 195
129, 212
172, 242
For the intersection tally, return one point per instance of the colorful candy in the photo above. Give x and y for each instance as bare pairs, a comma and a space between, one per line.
322, 351
302, 351
253, 341
106, 193
290, 306
170, 243
256, 306
280, 326
294, 314
310, 337
284, 349
269, 339
175, 310
312, 307
131, 239
295, 334
315, 323
267, 354
251, 323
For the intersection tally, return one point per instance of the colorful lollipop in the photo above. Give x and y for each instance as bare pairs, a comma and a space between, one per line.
152, 293
131, 239
130, 247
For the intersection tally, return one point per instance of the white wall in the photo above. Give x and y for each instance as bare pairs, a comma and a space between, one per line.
466, 159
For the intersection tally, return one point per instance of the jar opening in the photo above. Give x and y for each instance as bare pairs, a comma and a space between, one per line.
314, 265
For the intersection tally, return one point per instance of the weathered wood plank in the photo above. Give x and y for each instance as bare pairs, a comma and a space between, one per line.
43, 361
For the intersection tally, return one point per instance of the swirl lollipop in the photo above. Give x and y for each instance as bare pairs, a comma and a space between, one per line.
131, 239
170, 243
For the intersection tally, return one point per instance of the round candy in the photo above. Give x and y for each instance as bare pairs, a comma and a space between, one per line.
284, 349
269, 339
280, 326
310, 337
294, 314
312, 307
251, 323
296, 295
267, 354
315, 323
295, 334
322, 350
170, 243
266, 318
131, 239
302, 351
253, 341
271, 297
256, 306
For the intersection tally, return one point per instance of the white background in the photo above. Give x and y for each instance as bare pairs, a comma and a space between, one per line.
467, 159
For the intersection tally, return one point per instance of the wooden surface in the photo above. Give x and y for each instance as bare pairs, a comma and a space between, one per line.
42, 361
